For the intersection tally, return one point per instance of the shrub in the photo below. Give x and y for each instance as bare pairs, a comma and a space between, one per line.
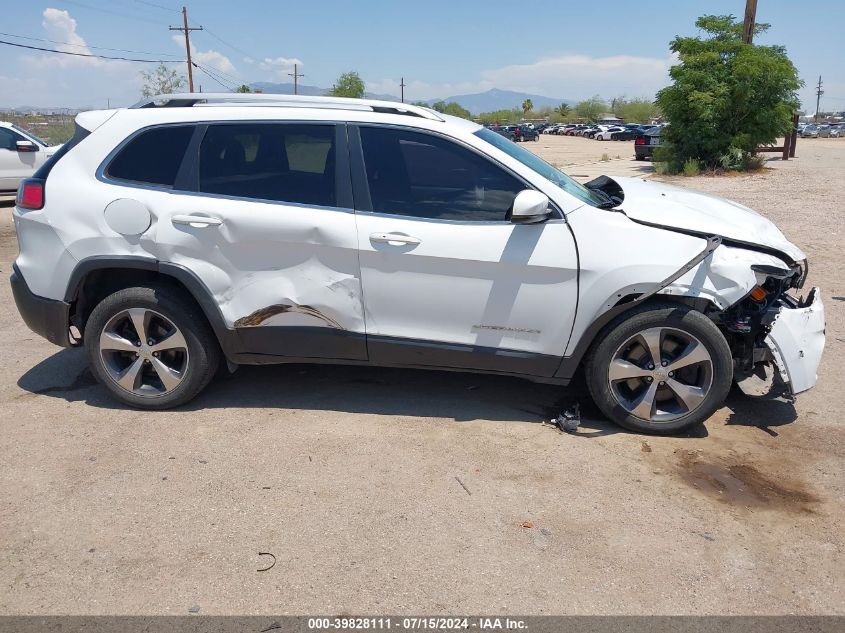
727, 97
691, 167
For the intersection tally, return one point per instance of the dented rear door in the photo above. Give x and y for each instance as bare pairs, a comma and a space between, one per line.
270, 230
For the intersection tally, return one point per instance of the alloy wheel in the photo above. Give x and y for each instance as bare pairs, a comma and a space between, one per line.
143, 352
661, 374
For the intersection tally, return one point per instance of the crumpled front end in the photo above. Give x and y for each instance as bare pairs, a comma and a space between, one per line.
796, 341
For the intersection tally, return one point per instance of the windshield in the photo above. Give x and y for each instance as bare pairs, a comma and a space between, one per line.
29, 134
537, 164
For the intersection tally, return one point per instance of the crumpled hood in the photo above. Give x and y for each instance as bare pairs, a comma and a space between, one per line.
658, 203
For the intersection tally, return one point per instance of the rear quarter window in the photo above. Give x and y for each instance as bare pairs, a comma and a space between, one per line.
152, 157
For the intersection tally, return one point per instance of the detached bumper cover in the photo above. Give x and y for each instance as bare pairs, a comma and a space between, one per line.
46, 317
797, 342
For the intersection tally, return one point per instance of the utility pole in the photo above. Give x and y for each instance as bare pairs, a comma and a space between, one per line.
819, 93
187, 30
296, 75
402, 85
748, 24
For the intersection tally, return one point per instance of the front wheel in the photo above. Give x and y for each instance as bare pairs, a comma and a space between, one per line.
151, 347
661, 369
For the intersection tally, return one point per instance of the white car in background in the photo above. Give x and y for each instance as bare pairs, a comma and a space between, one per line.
606, 132
21, 154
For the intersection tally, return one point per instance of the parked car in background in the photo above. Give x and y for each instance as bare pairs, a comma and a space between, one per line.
606, 133
810, 131
21, 154
645, 143
630, 133
505, 130
837, 131
525, 133
824, 131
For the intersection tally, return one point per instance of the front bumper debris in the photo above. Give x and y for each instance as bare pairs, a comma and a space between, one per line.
796, 341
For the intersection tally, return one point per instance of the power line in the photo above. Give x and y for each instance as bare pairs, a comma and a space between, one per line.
52, 50
109, 11
86, 46
212, 76
224, 42
157, 6
228, 76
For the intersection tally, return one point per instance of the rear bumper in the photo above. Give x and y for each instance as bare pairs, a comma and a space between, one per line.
797, 342
46, 317
644, 150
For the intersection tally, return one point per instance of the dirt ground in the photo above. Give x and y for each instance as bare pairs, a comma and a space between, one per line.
385, 491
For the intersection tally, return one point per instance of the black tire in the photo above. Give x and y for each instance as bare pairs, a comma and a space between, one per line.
203, 350
666, 315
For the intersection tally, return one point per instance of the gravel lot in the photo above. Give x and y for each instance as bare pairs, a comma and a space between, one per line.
385, 491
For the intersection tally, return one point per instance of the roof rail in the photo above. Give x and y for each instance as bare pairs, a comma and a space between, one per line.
187, 100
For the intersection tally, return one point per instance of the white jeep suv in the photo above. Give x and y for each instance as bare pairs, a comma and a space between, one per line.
258, 229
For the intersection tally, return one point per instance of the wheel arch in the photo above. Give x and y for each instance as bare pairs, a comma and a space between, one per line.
96, 277
624, 308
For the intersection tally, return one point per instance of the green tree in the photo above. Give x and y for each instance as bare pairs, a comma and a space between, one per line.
591, 109
161, 81
348, 85
453, 108
243, 88
727, 97
635, 110
563, 110
501, 116
527, 106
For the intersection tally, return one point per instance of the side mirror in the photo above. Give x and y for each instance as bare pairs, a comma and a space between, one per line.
530, 207
26, 146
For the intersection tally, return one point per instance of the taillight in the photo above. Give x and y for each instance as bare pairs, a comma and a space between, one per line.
31, 194
640, 140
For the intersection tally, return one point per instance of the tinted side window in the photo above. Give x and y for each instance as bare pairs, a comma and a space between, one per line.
153, 157
425, 176
8, 139
288, 162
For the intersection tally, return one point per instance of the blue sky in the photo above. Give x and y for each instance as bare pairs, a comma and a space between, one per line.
558, 49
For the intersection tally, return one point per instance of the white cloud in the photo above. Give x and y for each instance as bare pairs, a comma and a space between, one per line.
567, 76
249, 60
280, 66
62, 28
210, 58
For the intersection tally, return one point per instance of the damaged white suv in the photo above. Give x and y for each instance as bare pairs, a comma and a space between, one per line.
191, 229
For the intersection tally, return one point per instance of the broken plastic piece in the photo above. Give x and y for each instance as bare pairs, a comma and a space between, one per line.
569, 419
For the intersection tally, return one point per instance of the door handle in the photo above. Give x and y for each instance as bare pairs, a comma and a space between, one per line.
196, 221
393, 238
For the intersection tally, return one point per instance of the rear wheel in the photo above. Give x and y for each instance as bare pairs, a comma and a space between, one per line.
151, 347
660, 370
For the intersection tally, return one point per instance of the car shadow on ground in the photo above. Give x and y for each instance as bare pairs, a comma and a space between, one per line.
462, 397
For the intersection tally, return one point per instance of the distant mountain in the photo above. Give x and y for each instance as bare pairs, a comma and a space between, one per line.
495, 99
